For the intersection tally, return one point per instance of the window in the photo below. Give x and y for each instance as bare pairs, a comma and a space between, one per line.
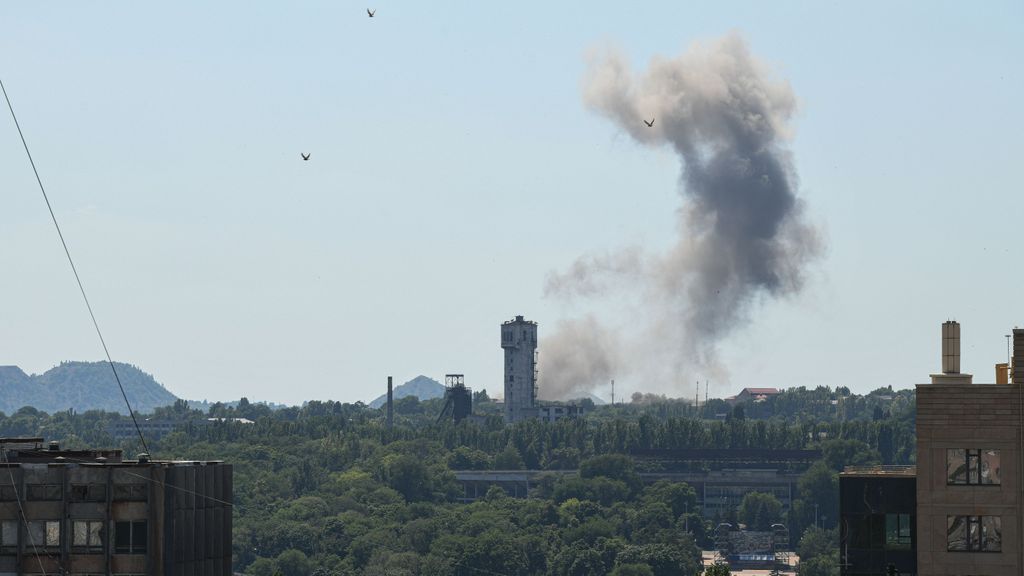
87, 534
130, 537
43, 492
974, 534
897, 531
9, 534
866, 532
44, 533
88, 492
972, 466
8, 493
135, 492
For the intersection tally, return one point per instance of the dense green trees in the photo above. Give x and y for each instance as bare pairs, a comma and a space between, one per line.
759, 511
326, 489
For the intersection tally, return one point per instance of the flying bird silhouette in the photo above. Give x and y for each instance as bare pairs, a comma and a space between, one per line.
370, 13
649, 124
304, 156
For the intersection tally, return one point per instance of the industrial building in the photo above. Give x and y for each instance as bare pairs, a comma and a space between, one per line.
720, 477
458, 399
519, 340
92, 512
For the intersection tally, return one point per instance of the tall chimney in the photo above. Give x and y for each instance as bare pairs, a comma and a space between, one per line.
951, 356
1002, 373
950, 347
391, 405
1017, 368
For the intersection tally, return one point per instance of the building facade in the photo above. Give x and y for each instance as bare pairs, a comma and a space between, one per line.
969, 470
91, 512
519, 341
877, 520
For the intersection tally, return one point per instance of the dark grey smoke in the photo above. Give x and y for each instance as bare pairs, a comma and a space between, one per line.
743, 232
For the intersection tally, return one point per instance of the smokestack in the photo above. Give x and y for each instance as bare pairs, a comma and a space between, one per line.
1017, 368
391, 405
951, 356
950, 347
1002, 373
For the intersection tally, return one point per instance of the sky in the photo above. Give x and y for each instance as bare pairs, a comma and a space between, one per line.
455, 166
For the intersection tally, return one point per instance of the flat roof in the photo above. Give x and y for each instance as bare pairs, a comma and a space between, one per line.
880, 470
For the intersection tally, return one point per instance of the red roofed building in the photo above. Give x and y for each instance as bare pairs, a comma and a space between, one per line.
754, 395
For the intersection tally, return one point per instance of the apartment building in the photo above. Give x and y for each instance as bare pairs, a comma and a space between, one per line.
90, 512
969, 467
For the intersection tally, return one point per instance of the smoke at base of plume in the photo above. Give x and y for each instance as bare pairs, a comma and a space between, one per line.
743, 232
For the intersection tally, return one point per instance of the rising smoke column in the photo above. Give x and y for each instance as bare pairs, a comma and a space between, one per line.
743, 233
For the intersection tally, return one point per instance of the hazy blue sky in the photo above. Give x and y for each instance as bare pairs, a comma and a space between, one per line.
454, 166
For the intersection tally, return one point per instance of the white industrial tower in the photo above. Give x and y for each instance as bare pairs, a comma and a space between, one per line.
519, 339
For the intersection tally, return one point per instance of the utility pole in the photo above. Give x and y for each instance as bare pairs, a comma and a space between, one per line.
613, 391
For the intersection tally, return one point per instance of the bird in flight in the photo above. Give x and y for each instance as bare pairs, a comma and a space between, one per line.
370, 13
649, 124
304, 156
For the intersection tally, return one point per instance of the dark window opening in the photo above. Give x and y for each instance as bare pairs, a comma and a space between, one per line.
43, 492
897, 531
131, 492
88, 492
130, 537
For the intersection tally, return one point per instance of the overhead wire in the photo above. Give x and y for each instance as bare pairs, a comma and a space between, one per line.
74, 269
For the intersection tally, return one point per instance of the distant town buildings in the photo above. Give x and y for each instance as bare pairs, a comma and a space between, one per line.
159, 427
753, 395
92, 512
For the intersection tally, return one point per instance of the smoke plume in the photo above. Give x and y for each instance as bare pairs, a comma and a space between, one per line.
743, 234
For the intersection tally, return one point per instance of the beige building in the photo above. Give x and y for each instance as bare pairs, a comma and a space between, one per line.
969, 468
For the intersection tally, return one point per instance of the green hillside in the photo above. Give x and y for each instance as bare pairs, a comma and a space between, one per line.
81, 386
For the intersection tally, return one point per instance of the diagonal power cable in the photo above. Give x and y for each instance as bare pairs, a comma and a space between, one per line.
74, 269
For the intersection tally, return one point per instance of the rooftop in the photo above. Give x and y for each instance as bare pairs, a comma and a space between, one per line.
760, 390
880, 470
33, 450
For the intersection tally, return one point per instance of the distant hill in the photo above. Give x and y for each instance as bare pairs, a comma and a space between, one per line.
421, 387
82, 386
